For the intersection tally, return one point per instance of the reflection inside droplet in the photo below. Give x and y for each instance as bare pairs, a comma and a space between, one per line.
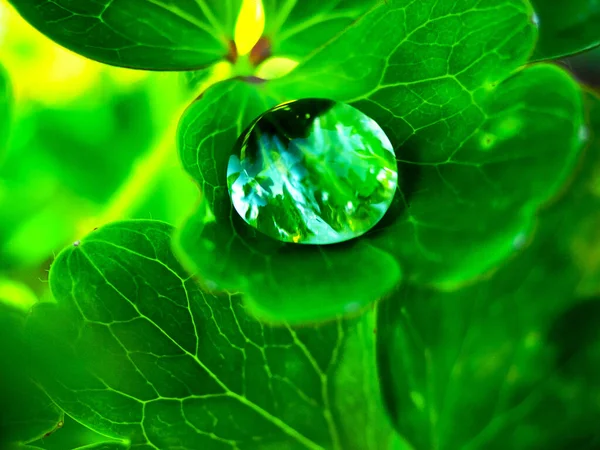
312, 171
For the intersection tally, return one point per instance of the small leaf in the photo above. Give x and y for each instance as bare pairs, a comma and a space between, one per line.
571, 28
141, 34
135, 350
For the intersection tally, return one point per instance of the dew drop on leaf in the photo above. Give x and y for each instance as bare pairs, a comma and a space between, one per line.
535, 19
312, 171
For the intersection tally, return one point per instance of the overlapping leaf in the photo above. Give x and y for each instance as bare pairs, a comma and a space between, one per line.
460, 135
143, 34
136, 351
566, 28
513, 360
477, 156
471, 204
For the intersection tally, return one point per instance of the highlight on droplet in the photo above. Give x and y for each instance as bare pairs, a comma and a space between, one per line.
249, 26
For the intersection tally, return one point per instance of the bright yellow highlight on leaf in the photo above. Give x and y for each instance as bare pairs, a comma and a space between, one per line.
250, 26
45, 71
275, 67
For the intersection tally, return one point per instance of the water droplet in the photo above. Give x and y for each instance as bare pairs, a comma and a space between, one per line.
535, 19
312, 171
76, 243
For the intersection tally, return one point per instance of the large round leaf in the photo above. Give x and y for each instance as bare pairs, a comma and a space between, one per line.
142, 34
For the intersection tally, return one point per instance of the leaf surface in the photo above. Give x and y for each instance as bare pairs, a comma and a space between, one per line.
141, 34
135, 350
297, 27
569, 28
461, 134
584, 248
513, 360
466, 207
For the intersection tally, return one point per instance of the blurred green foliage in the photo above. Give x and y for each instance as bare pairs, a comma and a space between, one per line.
98, 147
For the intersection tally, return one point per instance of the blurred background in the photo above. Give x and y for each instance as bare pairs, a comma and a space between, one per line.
89, 144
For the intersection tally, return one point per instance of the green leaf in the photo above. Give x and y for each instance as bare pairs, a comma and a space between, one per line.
410, 49
464, 208
136, 351
568, 29
585, 245
5, 108
295, 28
141, 34
461, 135
514, 360
27, 413
282, 281
489, 359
